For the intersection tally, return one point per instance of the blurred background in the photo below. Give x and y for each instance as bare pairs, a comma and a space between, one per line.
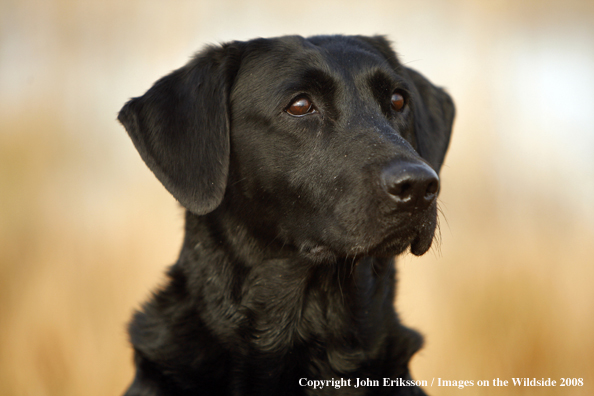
86, 231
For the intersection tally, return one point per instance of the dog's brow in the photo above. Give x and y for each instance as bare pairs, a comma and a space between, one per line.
313, 80
385, 79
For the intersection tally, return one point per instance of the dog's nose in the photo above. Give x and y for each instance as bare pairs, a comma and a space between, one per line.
414, 186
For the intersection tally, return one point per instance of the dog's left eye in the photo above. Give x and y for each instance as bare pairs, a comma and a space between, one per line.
300, 107
397, 100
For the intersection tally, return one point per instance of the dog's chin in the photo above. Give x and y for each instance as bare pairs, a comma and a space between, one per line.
381, 244
419, 244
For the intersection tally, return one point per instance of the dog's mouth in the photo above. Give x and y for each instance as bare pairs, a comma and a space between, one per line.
419, 241
396, 241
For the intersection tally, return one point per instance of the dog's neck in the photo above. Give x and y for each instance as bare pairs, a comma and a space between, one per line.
262, 323
286, 301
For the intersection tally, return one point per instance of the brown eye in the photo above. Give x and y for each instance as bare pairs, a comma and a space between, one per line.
397, 101
300, 107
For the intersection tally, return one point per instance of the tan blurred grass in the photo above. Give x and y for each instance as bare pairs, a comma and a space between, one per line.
70, 274
86, 231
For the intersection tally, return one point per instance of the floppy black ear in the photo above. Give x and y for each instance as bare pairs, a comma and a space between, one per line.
434, 115
180, 127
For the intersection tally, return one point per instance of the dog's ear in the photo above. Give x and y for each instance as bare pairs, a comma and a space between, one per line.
180, 127
434, 115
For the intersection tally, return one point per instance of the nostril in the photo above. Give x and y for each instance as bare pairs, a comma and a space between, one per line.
401, 189
432, 188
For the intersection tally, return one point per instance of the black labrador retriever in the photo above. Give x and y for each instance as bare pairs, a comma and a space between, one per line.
305, 166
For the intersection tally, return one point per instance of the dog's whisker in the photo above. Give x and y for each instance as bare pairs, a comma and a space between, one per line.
339, 283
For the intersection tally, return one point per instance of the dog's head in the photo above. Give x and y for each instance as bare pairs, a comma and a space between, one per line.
326, 145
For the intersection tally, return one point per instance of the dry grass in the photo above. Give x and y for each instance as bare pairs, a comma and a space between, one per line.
71, 272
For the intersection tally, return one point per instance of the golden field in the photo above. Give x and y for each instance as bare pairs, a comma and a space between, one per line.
86, 231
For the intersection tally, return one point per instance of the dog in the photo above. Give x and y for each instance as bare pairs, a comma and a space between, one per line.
305, 165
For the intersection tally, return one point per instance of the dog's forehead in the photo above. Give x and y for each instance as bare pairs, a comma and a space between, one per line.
342, 52
347, 53
268, 62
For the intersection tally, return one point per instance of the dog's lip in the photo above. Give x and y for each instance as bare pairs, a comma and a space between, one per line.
413, 230
398, 239
420, 245
390, 238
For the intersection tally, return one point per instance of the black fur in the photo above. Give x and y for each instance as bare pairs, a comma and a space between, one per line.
287, 268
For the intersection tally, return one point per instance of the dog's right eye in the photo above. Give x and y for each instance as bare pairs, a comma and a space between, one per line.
300, 107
